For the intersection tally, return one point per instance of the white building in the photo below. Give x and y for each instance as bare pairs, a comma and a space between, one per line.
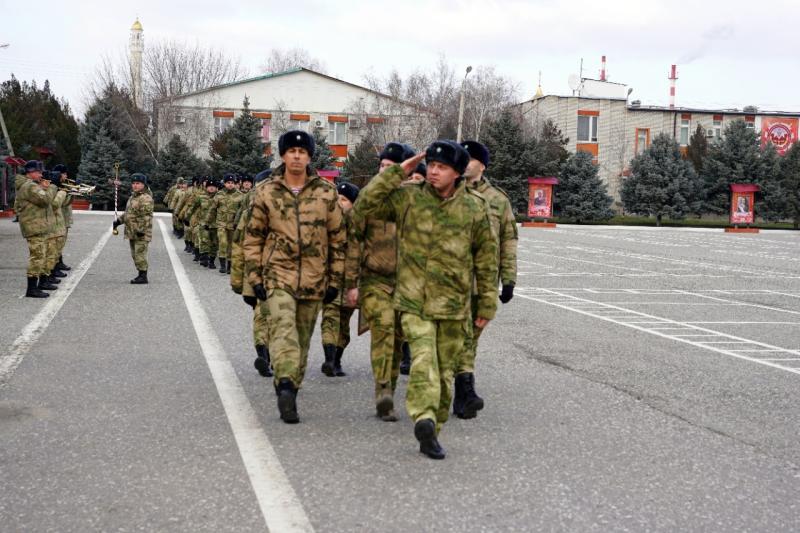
295, 99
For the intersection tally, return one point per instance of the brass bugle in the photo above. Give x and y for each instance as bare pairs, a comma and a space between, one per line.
75, 189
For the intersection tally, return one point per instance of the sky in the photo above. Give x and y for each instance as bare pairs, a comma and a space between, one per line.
729, 53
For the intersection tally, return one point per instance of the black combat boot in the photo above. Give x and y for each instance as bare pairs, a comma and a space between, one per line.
141, 279
181, 233
287, 401
405, 362
61, 266
196, 253
330, 360
472, 402
203, 260
33, 291
228, 270
210, 263
384, 405
56, 273
337, 363
262, 361
52, 279
222, 265
45, 285
185, 245
458, 396
425, 432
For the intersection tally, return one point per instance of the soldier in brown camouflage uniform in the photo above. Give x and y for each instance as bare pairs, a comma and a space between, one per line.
33, 204
294, 253
138, 221
226, 203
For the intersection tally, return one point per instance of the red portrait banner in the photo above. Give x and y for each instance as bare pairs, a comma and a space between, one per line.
540, 197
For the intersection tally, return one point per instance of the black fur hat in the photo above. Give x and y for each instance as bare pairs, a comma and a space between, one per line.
448, 152
61, 169
33, 165
348, 190
477, 151
229, 177
138, 176
422, 169
296, 138
396, 152
245, 177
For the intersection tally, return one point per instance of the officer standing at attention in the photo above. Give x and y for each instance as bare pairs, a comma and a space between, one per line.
466, 402
138, 221
294, 253
35, 212
445, 244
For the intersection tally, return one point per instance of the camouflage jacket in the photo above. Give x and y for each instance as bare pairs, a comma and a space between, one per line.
138, 217
441, 244
34, 207
187, 201
59, 228
504, 226
296, 243
238, 283
226, 203
66, 210
175, 199
169, 195
204, 209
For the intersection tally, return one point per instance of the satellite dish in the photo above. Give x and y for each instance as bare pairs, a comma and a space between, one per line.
574, 82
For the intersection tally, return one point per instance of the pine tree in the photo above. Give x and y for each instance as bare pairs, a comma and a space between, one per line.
513, 158
697, 149
362, 163
323, 155
581, 195
240, 149
736, 158
661, 181
175, 160
552, 145
789, 190
97, 168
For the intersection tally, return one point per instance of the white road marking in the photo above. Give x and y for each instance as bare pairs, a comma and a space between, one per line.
737, 302
280, 506
37, 326
662, 331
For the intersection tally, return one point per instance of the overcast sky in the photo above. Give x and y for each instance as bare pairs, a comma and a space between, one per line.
730, 53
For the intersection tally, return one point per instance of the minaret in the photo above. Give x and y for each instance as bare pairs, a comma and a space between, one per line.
136, 49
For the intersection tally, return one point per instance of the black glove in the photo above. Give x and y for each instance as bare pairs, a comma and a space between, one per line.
140, 234
205, 227
116, 223
261, 292
507, 293
250, 300
330, 295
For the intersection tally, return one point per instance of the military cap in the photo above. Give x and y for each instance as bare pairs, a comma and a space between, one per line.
229, 177
448, 152
33, 165
348, 190
138, 176
298, 139
212, 182
61, 169
477, 151
179, 181
422, 169
396, 152
246, 177
264, 174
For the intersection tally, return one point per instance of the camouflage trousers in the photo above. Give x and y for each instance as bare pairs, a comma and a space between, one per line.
54, 247
237, 268
139, 253
291, 323
466, 362
261, 324
208, 241
37, 256
192, 236
336, 324
177, 224
386, 338
224, 242
435, 346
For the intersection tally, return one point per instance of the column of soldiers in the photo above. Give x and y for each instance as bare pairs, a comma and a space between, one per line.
420, 252
44, 213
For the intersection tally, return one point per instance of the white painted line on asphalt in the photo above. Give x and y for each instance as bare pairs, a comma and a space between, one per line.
37, 326
746, 323
280, 506
784, 294
652, 331
738, 302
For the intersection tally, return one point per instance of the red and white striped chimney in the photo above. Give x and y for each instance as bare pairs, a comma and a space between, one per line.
673, 77
603, 70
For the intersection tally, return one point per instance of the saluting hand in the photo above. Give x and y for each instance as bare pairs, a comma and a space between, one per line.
410, 164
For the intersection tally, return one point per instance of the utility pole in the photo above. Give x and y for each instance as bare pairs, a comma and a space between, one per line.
3, 122
461, 105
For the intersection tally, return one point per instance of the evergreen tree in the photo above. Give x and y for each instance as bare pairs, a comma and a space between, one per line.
323, 155
736, 158
240, 149
789, 190
697, 149
514, 157
97, 168
661, 181
552, 145
362, 163
175, 160
581, 195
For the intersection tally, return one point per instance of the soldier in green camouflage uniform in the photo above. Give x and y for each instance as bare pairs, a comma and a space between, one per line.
33, 205
371, 281
335, 327
170, 198
180, 192
240, 285
66, 211
466, 402
226, 203
445, 242
138, 221
189, 217
198, 214
58, 231
294, 253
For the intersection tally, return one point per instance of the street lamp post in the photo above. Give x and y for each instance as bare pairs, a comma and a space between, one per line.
461, 105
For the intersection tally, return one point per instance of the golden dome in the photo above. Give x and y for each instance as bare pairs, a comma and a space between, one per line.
137, 26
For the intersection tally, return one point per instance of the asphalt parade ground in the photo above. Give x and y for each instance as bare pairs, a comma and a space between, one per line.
640, 380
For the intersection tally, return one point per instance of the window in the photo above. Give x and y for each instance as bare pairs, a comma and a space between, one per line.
717, 127
265, 130
337, 132
750, 122
221, 124
587, 128
642, 140
685, 131
301, 125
